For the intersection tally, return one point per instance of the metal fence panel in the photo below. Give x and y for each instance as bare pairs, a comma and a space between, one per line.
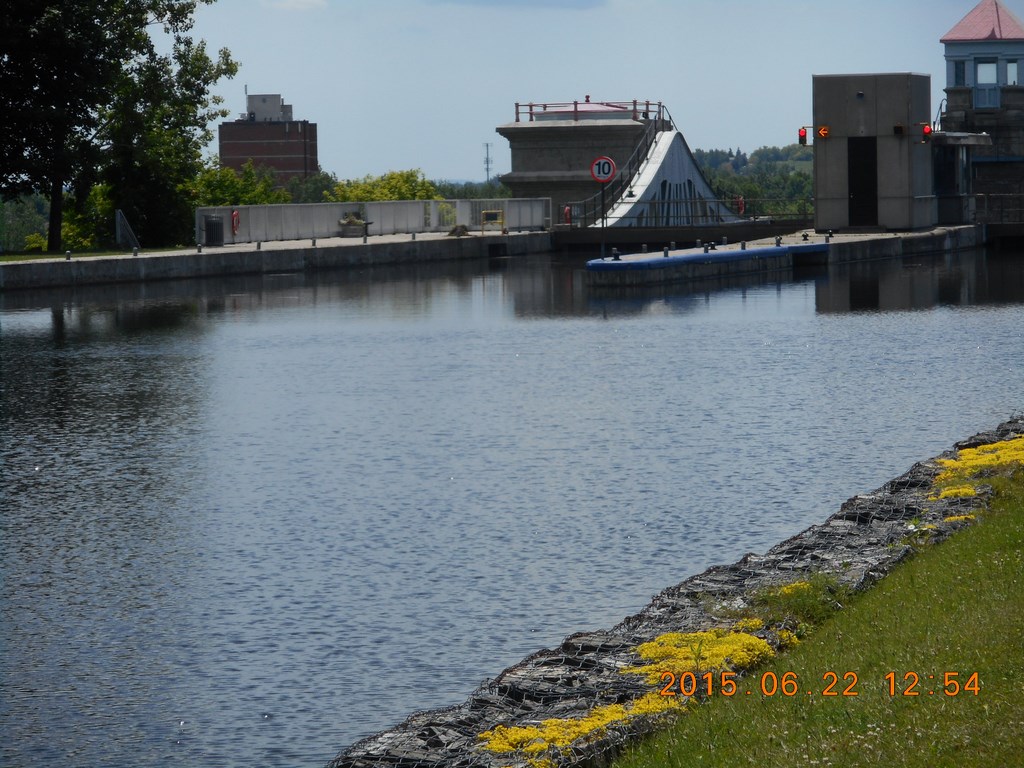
391, 217
259, 223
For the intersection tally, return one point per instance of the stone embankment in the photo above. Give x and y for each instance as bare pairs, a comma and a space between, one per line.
859, 544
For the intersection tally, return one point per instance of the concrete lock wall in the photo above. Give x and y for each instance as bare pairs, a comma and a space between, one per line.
872, 118
296, 256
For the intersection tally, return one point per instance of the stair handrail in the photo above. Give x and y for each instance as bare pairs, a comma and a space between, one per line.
589, 211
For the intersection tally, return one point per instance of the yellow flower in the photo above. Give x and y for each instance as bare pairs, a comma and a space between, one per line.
969, 462
560, 733
679, 652
959, 518
958, 492
749, 624
787, 639
794, 588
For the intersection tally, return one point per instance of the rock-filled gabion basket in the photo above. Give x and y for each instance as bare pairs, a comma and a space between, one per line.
581, 702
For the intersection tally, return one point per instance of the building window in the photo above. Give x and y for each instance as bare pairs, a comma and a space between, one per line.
986, 73
959, 73
1011, 72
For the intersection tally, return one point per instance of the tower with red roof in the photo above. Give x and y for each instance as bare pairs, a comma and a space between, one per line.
984, 93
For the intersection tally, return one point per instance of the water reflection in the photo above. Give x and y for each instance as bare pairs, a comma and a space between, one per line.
543, 285
967, 278
250, 520
538, 286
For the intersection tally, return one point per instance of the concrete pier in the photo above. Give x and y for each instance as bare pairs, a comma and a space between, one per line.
780, 253
258, 258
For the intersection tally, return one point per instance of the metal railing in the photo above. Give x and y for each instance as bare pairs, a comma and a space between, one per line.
699, 211
638, 110
999, 208
123, 233
593, 209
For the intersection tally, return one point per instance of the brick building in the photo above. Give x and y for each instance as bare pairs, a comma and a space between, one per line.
267, 135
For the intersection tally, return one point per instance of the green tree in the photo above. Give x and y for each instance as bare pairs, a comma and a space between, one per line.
155, 129
472, 190
90, 223
393, 185
773, 180
85, 98
85, 226
713, 159
19, 219
312, 189
217, 185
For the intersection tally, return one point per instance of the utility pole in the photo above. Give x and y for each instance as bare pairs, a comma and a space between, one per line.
487, 161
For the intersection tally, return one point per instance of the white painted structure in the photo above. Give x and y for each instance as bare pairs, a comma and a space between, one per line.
668, 190
262, 223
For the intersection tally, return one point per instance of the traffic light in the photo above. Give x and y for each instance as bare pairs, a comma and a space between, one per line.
802, 135
926, 133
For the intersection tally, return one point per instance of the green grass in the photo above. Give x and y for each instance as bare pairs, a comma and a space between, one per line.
956, 607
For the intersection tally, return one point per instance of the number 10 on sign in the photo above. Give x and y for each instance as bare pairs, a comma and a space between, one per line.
603, 169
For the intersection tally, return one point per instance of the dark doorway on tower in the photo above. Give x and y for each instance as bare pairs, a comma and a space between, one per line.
862, 170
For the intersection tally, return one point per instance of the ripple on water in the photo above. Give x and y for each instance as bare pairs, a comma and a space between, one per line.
255, 535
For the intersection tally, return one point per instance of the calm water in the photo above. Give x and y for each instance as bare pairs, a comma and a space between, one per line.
249, 522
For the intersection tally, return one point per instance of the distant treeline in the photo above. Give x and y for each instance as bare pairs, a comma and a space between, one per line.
89, 226
780, 176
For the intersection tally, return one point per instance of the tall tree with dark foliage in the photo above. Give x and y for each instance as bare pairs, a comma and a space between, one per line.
87, 98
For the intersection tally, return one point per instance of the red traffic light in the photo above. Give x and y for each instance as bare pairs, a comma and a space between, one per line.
926, 131
802, 134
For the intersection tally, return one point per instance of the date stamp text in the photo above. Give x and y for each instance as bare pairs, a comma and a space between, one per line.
726, 683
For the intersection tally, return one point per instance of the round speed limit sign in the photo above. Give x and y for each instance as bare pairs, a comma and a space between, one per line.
603, 169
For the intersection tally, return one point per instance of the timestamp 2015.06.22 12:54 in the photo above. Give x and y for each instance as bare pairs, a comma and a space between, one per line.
727, 683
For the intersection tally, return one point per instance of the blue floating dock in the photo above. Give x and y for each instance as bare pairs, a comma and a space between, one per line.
694, 263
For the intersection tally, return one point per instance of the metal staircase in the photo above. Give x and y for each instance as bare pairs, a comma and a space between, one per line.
659, 185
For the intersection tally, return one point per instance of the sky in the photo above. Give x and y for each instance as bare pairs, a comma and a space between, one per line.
423, 84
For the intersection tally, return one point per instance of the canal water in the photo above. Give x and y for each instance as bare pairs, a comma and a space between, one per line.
248, 522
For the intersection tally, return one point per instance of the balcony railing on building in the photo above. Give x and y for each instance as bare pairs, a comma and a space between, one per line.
984, 97
999, 208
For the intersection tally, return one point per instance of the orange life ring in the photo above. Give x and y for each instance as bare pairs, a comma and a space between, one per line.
235, 221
